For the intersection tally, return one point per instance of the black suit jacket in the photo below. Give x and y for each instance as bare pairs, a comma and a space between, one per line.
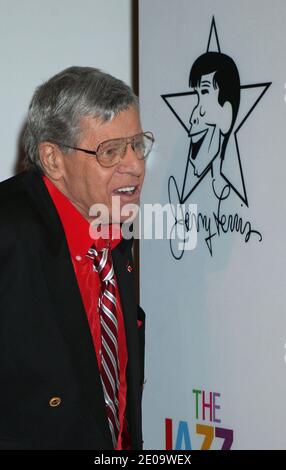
46, 348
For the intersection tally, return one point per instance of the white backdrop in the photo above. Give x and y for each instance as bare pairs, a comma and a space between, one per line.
38, 38
216, 327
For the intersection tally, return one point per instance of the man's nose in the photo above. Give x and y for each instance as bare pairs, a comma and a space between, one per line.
194, 119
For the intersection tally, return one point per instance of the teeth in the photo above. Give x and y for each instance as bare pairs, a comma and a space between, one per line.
127, 189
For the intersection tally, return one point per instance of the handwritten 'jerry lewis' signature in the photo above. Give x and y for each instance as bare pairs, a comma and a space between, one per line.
215, 225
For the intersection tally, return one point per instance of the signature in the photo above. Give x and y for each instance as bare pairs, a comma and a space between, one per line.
212, 226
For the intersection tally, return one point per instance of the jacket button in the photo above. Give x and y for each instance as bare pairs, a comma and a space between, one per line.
55, 401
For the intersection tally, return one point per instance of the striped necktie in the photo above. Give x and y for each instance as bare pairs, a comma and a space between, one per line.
109, 368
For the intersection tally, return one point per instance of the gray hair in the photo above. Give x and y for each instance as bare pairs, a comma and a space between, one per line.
59, 104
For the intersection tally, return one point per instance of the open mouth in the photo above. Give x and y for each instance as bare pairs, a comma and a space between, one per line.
197, 140
127, 191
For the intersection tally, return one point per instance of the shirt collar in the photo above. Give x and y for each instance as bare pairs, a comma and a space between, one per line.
76, 227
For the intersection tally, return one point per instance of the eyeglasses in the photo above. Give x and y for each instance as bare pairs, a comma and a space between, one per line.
110, 152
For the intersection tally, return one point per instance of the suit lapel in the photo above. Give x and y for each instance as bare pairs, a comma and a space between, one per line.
125, 278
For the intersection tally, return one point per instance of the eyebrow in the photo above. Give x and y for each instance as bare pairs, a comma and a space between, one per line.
205, 82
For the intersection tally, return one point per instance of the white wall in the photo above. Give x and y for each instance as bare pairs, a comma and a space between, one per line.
39, 38
216, 323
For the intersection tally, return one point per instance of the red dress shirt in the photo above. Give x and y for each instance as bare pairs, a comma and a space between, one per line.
76, 229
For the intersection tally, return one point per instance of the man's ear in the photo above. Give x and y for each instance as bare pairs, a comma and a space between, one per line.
52, 160
226, 117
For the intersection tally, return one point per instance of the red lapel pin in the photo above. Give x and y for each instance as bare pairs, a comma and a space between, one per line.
129, 267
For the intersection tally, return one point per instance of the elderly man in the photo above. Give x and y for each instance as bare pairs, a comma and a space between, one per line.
72, 336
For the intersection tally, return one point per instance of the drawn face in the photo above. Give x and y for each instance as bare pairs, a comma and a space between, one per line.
209, 123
